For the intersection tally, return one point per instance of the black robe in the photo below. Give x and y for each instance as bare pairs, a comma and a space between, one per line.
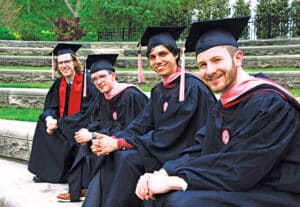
108, 117
164, 128
247, 155
52, 155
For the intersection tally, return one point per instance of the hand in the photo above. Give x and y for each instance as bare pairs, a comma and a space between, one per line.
142, 190
83, 136
105, 144
158, 183
51, 125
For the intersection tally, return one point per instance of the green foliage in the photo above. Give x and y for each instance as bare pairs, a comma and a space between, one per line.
241, 8
272, 17
295, 17
212, 9
5, 34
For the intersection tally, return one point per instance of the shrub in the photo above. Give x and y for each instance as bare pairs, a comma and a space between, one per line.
5, 34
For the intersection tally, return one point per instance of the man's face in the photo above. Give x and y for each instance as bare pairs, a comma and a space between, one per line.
103, 80
162, 61
66, 66
217, 68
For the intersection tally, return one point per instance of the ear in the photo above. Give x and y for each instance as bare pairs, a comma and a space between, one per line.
113, 74
238, 58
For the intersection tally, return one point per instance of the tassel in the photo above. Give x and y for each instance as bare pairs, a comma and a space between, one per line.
84, 81
140, 66
182, 77
52, 66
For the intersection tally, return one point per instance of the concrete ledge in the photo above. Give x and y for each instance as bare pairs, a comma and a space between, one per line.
18, 190
16, 138
22, 97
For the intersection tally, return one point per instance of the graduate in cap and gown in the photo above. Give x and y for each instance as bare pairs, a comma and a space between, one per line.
67, 108
166, 126
248, 154
120, 103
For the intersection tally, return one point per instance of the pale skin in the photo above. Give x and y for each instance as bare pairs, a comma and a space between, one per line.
220, 71
66, 66
163, 62
104, 82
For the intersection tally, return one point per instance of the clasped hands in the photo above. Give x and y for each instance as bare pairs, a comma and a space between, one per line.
158, 182
103, 144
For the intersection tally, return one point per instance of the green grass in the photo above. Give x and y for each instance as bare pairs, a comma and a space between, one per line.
20, 114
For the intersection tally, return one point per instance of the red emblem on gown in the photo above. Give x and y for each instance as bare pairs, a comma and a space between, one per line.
115, 116
165, 106
225, 136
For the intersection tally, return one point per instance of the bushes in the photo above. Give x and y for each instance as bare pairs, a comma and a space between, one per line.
5, 34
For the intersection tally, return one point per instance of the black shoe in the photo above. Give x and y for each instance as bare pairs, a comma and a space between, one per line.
37, 179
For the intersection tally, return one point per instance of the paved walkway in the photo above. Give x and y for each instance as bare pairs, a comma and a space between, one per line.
18, 190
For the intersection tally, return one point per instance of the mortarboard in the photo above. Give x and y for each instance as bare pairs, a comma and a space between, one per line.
64, 48
166, 35
101, 62
207, 34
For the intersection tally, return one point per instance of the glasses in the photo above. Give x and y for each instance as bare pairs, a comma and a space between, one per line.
99, 78
66, 62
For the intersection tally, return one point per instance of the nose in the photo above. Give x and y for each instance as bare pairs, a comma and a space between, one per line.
210, 69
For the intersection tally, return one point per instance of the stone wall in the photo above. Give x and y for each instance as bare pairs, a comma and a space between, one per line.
16, 139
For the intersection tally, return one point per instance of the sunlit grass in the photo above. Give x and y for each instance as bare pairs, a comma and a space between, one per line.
20, 114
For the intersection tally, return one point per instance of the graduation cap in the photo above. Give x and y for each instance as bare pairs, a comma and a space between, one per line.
101, 62
64, 48
204, 35
166, 35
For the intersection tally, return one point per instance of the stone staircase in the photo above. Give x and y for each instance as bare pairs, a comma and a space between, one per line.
258, 54
283, 53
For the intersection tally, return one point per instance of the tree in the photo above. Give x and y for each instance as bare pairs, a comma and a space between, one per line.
212, 9
271, 21
129, 18
241, 8
295, 18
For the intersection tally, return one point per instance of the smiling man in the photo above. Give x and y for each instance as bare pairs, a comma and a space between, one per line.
120, 103
248, 152
164, 128
66, 110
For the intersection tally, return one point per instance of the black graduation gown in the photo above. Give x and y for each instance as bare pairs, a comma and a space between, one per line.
260, 164
158, 136
109, 116
52, 155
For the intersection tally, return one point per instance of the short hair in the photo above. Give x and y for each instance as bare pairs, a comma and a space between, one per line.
174, 50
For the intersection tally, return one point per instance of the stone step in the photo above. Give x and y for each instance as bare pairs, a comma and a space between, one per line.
124, 45
265, 61
248, 50
29, 51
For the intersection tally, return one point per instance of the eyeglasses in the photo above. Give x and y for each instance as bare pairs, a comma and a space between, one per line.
99, 78
66, 62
